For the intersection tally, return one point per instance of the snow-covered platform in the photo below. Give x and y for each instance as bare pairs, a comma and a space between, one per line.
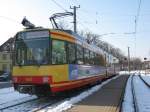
107, 99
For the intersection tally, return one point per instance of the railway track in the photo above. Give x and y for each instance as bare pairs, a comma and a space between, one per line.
146, 83
36, 104
20, 100
6, 106
30, 105
135, 101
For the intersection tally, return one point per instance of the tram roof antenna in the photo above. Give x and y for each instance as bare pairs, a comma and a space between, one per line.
58, 15
26, 23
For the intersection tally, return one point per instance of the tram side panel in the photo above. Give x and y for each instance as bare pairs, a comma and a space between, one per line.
57, 77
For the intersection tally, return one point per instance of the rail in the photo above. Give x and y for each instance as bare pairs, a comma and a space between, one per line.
136, 108
146, 83
14, 105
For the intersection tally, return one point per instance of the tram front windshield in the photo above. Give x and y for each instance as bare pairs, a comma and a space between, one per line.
32, 49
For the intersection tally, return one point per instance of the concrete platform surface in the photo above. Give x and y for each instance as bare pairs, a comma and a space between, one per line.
107, 99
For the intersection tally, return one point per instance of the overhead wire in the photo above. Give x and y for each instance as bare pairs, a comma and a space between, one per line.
83, 22
59, 5
85, 27
137, 15
67, 10
136, 22
95, 21
10, 19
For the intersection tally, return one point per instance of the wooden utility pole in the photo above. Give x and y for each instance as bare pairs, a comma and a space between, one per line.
74, 17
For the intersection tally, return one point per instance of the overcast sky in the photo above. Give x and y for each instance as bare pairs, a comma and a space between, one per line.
98, 16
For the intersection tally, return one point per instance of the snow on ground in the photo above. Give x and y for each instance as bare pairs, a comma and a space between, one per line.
8, 97
6, 90
5, 82
136, 72
142, 95
127, 72
70, 102
146, 77
127, 105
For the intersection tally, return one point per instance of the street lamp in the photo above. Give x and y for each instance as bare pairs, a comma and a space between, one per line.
125, 65
114, 60
129, 60
145, 64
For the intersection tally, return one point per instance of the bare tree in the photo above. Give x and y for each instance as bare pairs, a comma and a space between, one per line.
92, 38
136, 63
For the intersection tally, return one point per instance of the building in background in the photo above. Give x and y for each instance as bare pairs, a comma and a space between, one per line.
5, 61
6, 56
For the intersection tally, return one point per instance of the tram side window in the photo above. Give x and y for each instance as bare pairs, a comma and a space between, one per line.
103, 60
99, 60
86, 56
79, 54
58, 52
91, 57
94, 58
71, 53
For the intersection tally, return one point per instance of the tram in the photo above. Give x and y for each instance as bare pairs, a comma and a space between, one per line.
51, 60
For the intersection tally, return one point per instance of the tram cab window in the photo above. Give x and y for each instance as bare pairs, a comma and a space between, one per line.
32, 51
71, 53
40, 55
79, 54
58, 52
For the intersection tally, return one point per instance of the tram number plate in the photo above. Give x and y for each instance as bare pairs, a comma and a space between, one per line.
29, 79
